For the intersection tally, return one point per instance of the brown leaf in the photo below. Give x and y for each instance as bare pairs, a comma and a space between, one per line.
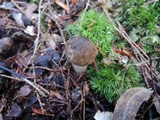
123, 52
129, 103
64, 6
119, 51
74, 2
20, 94
26, 58
40, 112
127, 52
86, 87
24, 91
58, 95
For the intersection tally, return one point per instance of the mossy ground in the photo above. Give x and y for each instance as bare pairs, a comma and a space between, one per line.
141, 22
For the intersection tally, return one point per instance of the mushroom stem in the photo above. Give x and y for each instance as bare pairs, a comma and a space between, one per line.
79, 69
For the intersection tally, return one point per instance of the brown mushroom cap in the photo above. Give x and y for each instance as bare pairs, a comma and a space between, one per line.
81, 51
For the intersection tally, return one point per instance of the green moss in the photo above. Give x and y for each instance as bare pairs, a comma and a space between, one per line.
96, 27
142, 20
108, 80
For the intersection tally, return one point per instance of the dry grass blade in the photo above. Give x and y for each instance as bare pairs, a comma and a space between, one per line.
83, 16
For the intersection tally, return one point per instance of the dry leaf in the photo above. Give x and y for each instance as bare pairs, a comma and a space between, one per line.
29, 10
15, 111
124, 59
156, 101
74, 2
40, 112
129, 103
103, 115
119, 51
127, 53
20, 18
86, 87
26, 58
107, 61
123, 52
50, 41
64, 6
58, 95
29, 30
24, 91
20, 94
6, 44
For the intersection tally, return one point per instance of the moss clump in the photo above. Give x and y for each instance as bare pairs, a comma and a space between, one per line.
142, 21
96, 27
108, 80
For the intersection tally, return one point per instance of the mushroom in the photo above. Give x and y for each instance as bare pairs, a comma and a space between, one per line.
81, 52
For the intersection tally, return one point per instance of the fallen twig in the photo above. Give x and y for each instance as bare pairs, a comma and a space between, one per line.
83, 16
40, 103
34, 85
17, 6
38, 36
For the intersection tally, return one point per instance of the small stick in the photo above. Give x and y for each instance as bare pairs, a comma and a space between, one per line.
17, 6
83, 16
34, 85
122, 84
38, 35
76, 107
40, 103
